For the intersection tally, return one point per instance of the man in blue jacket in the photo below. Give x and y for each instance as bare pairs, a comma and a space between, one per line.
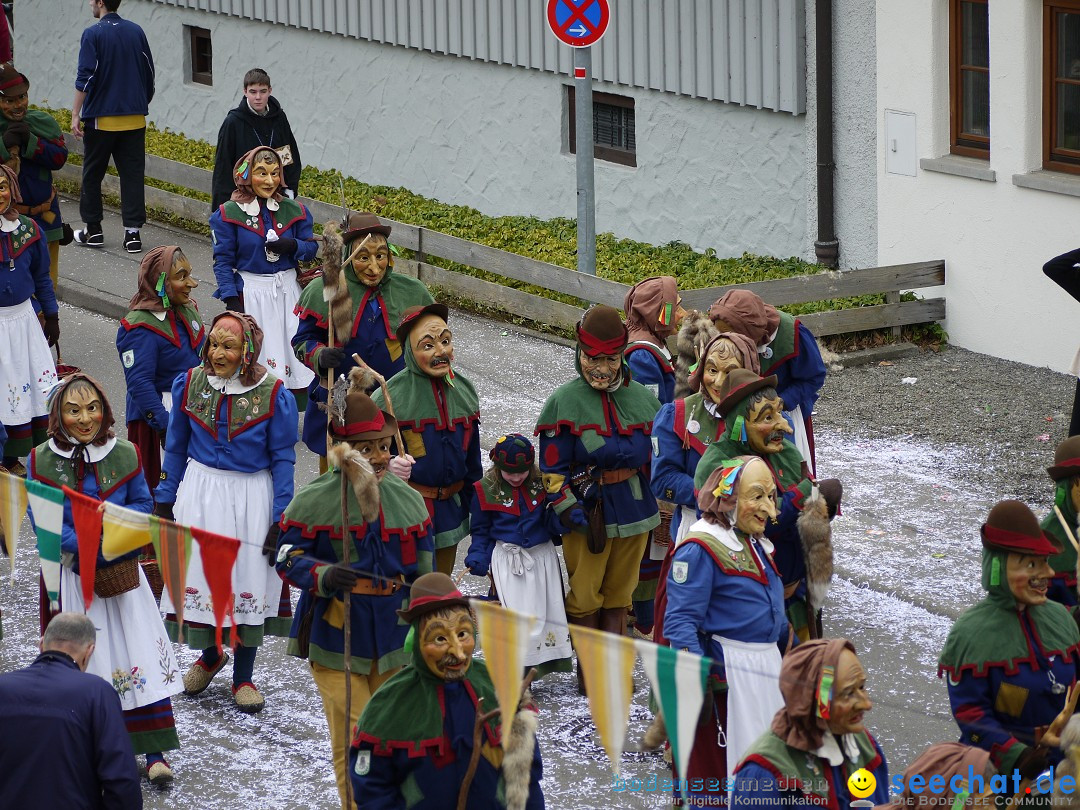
113, 90
54, 712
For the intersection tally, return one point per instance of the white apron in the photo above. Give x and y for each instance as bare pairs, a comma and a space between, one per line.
270, 300
27, 370
529, 581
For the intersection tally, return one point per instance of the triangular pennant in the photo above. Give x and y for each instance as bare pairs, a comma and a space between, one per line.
608, 663
12, 509
86, 514
504, 637
678, 680
218, 558
123, 530
172, 547
47, 513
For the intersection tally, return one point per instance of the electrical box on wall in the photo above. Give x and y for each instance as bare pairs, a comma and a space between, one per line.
900, 155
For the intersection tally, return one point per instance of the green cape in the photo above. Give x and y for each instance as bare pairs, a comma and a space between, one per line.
784, 346
1065, 561
580, 407
413, 394
188, 314
116, 469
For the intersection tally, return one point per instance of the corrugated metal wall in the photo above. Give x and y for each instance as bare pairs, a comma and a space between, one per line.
750, 52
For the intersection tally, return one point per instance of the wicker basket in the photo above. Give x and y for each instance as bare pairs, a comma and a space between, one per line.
152, 571
662, 533
116, 579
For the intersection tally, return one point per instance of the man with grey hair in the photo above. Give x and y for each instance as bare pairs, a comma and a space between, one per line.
54, 712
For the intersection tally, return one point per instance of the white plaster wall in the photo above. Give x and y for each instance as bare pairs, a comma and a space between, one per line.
995, 236
854, 132
470, 133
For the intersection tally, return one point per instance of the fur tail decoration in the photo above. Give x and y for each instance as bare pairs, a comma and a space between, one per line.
696, 331
361, 477
362, 378
655, 735
815, 531
335, 287
518, 754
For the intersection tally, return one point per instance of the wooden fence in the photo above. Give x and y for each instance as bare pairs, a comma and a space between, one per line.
426, 243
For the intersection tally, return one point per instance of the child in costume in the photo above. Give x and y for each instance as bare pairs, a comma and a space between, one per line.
512, 534
133, 652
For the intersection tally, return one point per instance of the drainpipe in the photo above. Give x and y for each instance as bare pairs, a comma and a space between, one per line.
827, 246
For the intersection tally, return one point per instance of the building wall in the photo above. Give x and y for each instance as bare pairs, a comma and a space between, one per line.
467, 132
995, 236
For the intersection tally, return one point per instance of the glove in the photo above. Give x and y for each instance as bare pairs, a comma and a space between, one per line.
232, 303
17, 134
52, 328
1031, 763
401, 466
330, 357
164, 510
161, 437
338, 577
575, 518
270, 544
282, 246
832, 491
477, 563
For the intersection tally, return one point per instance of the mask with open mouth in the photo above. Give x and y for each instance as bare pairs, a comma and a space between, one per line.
432, 345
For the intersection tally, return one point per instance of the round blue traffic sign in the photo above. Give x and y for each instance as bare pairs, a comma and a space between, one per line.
578, 23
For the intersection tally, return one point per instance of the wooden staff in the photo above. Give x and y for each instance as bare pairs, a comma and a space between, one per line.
1065, 525
346, 541
386, 395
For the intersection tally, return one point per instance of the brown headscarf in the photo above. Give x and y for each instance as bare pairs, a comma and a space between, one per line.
645, 308
242, 176
715, 508
250, 371
16, 193
56, 401
748, 355
808, 671
946, 759
154, 276
745, 312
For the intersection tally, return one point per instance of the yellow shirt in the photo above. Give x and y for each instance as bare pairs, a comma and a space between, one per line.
120, 123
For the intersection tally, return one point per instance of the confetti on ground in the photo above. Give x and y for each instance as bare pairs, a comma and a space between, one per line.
909, 380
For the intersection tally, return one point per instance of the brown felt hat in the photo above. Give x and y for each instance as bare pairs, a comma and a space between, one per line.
363, 419
432, 592
12, 83
361, 224
413, 314
602, 331
1012, 526
738, 385
1066, 459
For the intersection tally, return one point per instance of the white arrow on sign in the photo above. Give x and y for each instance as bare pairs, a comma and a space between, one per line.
579, 32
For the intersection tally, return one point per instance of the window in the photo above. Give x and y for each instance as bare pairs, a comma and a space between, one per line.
202, 55
614, 139
1061, 85
969, 77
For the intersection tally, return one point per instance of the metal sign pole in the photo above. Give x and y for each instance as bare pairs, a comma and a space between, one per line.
586, 192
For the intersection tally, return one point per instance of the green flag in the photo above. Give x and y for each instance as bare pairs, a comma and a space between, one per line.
47, 515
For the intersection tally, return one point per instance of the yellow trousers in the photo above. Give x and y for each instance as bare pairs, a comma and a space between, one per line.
331, 686
604, 580
445, 558
54, 263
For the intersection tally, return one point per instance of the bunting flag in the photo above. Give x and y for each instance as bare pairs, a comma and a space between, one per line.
608, 662
218, 558
47, 504
504, 637
172, 547
123, 530
12, 509
86, 514
678, 680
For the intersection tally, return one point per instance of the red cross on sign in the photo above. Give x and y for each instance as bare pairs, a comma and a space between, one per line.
578, 23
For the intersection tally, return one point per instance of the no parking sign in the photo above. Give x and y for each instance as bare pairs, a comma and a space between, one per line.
578, 23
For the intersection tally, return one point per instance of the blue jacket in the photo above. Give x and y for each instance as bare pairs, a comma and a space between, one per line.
799, 378
648, 367
524, 519
53, 713
24, 267
116, 69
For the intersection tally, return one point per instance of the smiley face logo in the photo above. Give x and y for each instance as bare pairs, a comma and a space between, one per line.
861, 783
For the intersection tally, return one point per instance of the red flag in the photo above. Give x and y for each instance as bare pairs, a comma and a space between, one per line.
172, 548
86, 513
218, 558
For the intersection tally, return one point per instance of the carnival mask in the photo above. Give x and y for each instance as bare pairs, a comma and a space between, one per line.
180, 282
225, 347
756, 503
600, 371
371, 260
81, 412
723, 359
432, 345
266, 174
850, 700
1028, 576
13, 108
5, 193
766, 426
447, 641
1074, 493
376, 452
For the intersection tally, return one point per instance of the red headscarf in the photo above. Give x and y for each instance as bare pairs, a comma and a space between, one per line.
745, 312
251, 335
242, 176
16, 193
807, 678
650, 309
154, 272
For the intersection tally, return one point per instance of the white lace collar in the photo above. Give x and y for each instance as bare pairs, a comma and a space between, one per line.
727, 537
94, 452
830, 749
10, 225
232, 385
252, 208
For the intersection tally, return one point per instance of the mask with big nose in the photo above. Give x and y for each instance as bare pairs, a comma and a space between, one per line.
447, 643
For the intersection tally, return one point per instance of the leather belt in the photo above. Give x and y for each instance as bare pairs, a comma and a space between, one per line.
617, 476
438, 493
34, 210
789, 589
377, 587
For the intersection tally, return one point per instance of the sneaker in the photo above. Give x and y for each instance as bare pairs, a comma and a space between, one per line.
159, 774
91, 236
132, 242
248, 699
198, 677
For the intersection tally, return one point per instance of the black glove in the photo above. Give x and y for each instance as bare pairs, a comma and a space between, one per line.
232, 303
282, 246
832, 491
270, 544
1031, 763
331, 357
17, 134
52, 328
575, 519
338, 577
161, 437
164, 510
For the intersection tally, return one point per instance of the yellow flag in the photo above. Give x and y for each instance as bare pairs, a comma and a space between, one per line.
123, 530
12, 509
608, 663
504, 636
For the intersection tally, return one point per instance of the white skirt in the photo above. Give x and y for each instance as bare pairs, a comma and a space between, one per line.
27, 370
529, 581
133, 653
233, 504
270, 300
